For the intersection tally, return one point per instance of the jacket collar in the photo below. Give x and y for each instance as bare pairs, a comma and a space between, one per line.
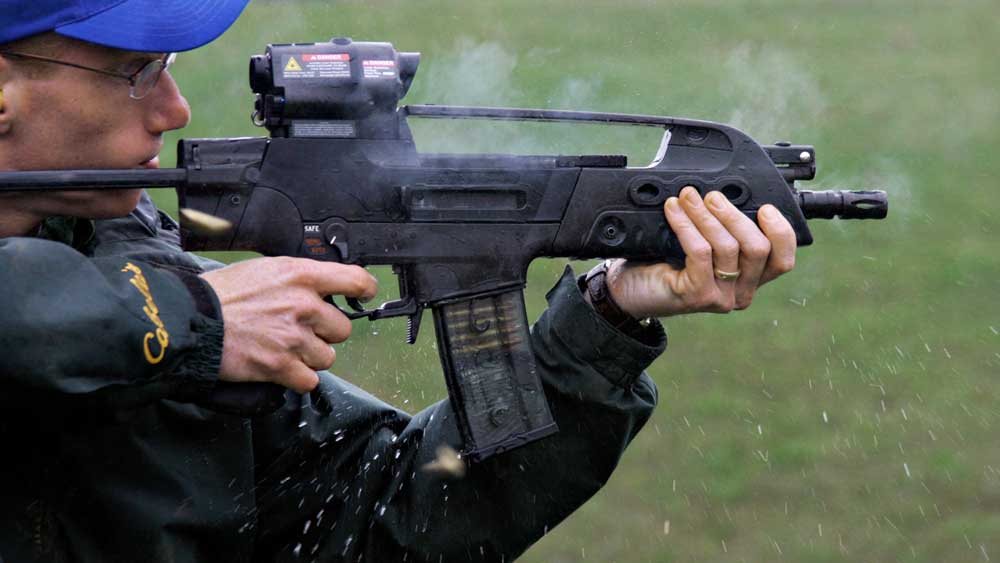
67, 230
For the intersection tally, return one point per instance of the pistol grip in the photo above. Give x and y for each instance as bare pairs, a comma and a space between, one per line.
492, 377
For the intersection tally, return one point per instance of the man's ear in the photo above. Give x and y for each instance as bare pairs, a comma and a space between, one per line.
6, 111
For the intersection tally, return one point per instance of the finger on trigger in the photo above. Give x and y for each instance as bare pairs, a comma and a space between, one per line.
783, 242
330, 278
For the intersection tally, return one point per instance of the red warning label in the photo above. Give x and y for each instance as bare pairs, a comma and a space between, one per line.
379, 68
316, 65
308, 57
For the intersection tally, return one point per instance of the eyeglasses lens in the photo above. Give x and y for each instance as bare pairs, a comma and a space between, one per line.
149, 76
147, 79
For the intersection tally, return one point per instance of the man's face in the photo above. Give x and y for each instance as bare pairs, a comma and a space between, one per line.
66, 118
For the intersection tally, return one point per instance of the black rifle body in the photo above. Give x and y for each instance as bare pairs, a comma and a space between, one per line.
340, 179
461, 230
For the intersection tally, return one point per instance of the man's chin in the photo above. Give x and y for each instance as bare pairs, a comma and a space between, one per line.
111, 203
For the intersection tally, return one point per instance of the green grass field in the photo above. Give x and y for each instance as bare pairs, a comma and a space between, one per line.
852, 413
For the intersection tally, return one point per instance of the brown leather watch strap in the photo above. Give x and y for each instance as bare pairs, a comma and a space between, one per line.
595, 284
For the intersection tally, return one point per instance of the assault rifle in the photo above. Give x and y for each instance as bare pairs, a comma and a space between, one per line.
340, 179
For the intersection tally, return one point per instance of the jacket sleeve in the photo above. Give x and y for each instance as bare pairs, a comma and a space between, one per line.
342, 475
107, 332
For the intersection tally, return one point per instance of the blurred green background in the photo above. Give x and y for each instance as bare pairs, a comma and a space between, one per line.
851, 414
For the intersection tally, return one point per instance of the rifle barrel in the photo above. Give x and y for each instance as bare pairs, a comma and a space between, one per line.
846, 204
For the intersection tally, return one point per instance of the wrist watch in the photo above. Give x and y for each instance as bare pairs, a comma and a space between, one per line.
596, 286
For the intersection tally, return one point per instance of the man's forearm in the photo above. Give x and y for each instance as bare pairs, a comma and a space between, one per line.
137, 336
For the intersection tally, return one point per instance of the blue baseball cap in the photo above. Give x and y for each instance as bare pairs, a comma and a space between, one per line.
161, 26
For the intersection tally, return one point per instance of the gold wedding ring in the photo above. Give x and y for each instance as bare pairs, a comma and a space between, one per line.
726, 276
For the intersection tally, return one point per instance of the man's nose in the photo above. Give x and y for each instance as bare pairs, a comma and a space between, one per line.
169, 109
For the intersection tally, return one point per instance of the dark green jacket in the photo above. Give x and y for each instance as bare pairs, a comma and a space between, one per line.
109, 457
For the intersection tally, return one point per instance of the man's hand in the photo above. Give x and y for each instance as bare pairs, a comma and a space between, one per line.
277, 326
718, 239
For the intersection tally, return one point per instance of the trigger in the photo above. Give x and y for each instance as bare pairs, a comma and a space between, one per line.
358, 311
355, 304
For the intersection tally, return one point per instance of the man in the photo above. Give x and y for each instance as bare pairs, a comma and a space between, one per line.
123, 361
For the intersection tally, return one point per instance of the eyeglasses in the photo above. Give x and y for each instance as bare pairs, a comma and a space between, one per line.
141, 82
